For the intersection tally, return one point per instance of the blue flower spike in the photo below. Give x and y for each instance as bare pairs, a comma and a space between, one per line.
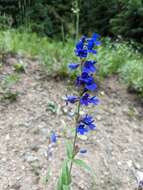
85, 81
85, 85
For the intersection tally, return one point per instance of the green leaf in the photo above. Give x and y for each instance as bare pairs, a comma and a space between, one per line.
66, 187
59, 185
69, 150
19, 67
82, 164
52, 107
66, 178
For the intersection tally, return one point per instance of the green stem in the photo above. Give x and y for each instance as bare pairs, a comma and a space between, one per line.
75, 137
77, 120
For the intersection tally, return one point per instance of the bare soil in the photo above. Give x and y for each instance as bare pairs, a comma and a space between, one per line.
114, 150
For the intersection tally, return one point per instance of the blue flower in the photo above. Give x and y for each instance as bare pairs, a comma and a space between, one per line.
73, 66
82, 53
91, 85
92, 42
89, 67
53, 137
93, 51
88, 120
71, 99
81, 129
83, 151
85, 124
80, 43
86, 80
95, 38
81, 50
86, 45
94, 100
92, 126
85, 100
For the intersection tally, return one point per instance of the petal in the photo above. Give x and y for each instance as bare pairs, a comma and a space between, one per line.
73, 66
91, 69
91, 87
95, 36
92, 51
92, 126
97, 43
53, 137
71, 99
81, 129
94, 100
83, 151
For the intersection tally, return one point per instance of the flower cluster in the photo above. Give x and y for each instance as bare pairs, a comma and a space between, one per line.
85, 81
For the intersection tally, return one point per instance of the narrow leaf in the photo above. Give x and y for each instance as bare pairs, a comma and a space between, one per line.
69, 150
66, 178
59, 185
66, 187
82, 164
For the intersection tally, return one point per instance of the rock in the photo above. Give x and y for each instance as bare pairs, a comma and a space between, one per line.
30, 158
7, 138
137, 165
71, 114
45, 132
130, 163
34, 147
15, 186
119, 163
99, 117
43, 152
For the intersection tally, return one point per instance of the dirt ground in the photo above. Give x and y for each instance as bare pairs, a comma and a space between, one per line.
114, 150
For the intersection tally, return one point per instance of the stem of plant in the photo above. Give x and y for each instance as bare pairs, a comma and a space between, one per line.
77, 119
75, 137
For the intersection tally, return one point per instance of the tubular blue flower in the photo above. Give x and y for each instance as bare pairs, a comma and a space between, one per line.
82, 53
91, 86
73, 66
80, 43
83, 151
92, 42
53, 137
81, 50
88, 120
95, 36
93, 51
86, 80
85, 100
89, 67
94, 100
81, 129
92, 126
71, 99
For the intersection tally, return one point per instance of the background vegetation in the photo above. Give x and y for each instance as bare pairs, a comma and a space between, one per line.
39, 28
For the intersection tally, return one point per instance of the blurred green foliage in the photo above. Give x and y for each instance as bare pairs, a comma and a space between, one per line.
112, 58
59, 18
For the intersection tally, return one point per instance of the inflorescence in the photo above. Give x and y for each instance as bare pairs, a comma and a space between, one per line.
85, 81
